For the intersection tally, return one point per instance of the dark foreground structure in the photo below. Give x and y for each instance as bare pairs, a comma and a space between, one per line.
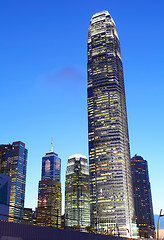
18, 231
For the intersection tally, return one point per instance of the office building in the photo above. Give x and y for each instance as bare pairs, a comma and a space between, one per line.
29, 216
51, 166
49, 194
142, 197
49, 203
112, 203
13, 162
77, 197
5, 190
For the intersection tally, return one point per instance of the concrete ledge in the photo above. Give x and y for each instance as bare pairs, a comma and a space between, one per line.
10, 238
31, 232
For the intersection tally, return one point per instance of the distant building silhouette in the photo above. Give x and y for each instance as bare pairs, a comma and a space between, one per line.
142, 197
77, 196
49, 193
13, 162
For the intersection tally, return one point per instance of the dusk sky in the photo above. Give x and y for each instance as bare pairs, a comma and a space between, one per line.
43, 75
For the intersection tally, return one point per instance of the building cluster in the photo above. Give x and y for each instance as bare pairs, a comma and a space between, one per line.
112, 195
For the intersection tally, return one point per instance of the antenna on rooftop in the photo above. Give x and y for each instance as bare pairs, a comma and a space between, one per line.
52, 147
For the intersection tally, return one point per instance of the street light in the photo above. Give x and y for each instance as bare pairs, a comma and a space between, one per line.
160, 215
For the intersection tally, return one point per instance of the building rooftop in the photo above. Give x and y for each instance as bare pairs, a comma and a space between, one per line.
77, 156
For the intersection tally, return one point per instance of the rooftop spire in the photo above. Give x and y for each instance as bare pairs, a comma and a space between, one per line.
52, 147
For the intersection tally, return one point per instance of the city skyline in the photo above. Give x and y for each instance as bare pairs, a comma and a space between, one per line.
42, 92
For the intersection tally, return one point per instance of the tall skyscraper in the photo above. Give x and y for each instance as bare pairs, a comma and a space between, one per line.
77, 197
13, 162
112, 203
142, 197
51, 166
49, 194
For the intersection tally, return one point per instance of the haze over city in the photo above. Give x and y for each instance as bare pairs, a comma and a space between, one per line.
44, 81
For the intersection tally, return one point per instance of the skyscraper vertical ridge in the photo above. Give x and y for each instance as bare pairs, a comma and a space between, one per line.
112, 204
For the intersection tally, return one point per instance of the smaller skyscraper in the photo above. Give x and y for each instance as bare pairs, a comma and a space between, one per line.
77, 194
13, 162
49, 203
49, 194
142, 197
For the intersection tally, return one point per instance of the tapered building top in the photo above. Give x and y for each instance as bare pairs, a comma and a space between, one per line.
51, 165
99, 28
103, 23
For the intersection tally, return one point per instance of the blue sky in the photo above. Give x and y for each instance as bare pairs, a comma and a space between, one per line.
43, 78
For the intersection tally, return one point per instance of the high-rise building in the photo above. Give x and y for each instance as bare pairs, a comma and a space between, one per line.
77, 196
13, 162
51, 166
49, 194
112, 203
49, 203
142, 197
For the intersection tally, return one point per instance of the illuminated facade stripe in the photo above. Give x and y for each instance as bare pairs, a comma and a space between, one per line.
112, 203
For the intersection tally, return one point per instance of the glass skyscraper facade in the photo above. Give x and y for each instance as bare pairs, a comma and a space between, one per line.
112, 203
51, 166
142, 197
77, 197
13, 162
